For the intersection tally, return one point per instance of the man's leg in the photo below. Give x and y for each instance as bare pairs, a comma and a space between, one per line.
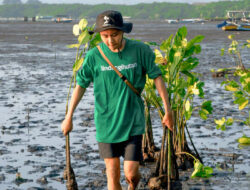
132, 174
113, 173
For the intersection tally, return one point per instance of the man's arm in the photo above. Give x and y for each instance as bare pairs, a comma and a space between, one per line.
168, 117
67, 124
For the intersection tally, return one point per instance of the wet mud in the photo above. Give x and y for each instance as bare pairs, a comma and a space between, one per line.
35, 72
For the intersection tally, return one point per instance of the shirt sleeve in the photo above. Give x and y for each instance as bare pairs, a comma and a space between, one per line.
151, 68
85, 74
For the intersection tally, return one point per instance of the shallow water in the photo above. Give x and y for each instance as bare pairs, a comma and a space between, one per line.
35, 71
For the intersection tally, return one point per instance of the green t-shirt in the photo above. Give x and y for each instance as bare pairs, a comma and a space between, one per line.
119, 112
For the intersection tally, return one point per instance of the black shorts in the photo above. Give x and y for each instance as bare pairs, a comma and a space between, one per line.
129, 150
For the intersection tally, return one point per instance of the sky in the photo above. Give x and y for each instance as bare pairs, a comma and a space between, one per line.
119, 1
131, 2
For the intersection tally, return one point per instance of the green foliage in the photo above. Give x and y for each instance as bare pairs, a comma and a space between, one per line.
206, 108
176, 59
142, 11
244, 140
85, 42
222, 123
234, 51
239, 86
240, 90
183, 85
201, 171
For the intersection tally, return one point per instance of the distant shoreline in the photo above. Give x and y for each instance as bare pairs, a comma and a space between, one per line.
153, 11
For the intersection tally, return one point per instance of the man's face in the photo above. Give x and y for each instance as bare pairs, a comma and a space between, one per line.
112, 38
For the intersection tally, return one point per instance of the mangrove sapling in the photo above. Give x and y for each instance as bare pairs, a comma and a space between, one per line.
240, 87
166, 168
182, 86
241, 95
234, 51
150, 152
86, 41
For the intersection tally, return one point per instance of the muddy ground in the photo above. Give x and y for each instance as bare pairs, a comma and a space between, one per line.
35, 71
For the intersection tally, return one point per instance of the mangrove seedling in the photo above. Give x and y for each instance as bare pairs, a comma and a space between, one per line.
182, 86
240, 89
87, 41
234, 51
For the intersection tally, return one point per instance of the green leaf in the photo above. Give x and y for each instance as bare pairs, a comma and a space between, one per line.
189, 64
73, 46
182, 32
189, 51
95, 41
81, 54
187, 74
203, 114
231, 88
188, 113
207, 105
196, 39
151, 43
197, 49
197, 169
221, 124
83, 24
84, 37
242, 102
158, 57
244, 140
166, 43
181, 92
222, 52
206, 108
201, 171
200, 87
229, 121
171, 55
230, 37
243, 105
238, 94
221, 121
77, 64
187, 105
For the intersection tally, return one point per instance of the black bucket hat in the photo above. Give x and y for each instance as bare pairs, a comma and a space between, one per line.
111, 19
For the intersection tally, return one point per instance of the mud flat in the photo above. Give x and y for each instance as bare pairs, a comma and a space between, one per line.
35, 71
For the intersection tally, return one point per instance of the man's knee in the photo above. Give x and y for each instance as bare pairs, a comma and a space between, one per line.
113, 169
133, 177
133, 180
113, 174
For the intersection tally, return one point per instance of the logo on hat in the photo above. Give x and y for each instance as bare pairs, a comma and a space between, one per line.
106, 21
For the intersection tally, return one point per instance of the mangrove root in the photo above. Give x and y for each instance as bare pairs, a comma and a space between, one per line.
71, 181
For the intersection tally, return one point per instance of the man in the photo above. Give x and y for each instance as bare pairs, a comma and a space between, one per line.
119, 111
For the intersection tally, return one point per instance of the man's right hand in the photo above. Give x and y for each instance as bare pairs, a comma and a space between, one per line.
67, 125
